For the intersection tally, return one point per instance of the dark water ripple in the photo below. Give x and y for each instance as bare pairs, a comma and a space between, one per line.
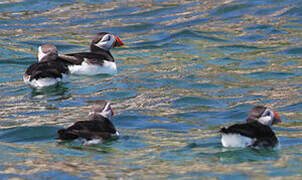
187, 69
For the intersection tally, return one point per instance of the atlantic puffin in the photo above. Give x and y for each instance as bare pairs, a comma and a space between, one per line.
48, 71
256, 132
95, 130
99, 60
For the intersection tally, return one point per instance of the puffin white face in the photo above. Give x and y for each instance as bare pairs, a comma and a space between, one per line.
41, 55
106, 42
269, 117
107, 111
104, 109
47, 50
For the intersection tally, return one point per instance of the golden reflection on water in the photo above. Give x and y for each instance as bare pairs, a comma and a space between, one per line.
141, 166
146, 162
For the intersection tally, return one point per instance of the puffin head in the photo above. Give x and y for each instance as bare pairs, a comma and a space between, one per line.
47, 52
102, 108
105, 41
263, 115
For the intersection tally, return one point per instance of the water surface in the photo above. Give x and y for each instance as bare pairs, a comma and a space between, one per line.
187, 69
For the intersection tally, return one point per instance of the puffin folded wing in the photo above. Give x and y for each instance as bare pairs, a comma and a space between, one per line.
71, 59
96, 125
248, 134
85, 129
250, 130
49, 73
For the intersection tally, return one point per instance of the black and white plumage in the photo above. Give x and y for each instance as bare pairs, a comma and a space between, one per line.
97, 129
98, 61
48, 71
256, 132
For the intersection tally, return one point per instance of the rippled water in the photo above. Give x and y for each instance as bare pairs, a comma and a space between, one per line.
187, 69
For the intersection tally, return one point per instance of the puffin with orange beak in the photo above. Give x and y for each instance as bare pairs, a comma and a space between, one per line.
96, 129
98, 61
255, 133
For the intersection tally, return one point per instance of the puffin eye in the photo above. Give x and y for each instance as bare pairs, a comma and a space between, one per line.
268, 113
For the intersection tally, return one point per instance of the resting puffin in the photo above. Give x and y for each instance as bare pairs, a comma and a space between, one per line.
99, 60
97, 129
49, 70
255, 133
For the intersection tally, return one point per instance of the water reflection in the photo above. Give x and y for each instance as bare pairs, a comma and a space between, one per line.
56, 92
187, 69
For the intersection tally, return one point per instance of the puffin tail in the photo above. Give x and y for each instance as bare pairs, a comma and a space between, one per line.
223, 130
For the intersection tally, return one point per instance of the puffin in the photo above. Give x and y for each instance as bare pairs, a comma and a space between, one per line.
48, 71
256, 132
96, 129
98, 61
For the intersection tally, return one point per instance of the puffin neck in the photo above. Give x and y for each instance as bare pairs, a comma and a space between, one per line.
96, 49
45, 59
107, 55
95, 115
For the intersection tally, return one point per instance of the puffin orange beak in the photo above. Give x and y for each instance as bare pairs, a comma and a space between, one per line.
277, 118
119, 41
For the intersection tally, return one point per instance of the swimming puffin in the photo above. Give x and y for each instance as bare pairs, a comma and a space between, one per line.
49, 70
255, 133
99, 60
97, 129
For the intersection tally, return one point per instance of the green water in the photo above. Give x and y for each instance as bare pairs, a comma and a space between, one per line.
187, 69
